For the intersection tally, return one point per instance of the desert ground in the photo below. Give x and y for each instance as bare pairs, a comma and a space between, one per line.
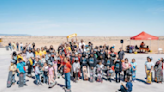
81, 86
96, 40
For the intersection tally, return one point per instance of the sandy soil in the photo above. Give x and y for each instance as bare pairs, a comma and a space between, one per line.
96, 40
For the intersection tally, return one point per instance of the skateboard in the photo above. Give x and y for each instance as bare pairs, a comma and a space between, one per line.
85, 73
148, 77
52, 84
99, 75
76, 75
109, 73
21, 80
91, 75
133, 74
9, 81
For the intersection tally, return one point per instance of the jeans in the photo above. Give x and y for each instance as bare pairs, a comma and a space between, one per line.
17, 48
37, 78
10, 47
122, 89
13, 78
116, 76
67, 80
29, 69
24, 75
45, 78
21, 48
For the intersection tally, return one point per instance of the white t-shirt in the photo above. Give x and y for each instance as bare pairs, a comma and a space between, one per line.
21, 45
149, 64
28, 55
80, 44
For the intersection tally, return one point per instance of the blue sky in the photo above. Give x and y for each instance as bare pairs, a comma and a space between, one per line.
84, 17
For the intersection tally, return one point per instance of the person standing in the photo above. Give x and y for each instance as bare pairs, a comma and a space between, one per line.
158, 71
10, 46
126, 68
33, 45
121, 54
20, 69
67, 69
21, 46
118, 68
133, 68
17, 46
148, 69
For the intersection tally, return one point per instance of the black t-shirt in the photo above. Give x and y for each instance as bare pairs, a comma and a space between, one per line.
84, 61
118, 66
92, 62
108, 62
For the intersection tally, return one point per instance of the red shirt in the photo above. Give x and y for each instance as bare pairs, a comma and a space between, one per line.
67, 67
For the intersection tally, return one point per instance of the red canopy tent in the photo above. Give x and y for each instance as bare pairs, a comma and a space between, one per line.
144, 36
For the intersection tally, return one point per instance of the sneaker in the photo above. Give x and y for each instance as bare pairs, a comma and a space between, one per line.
25, 84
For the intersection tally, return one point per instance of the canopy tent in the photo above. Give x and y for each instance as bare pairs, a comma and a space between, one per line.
144, 36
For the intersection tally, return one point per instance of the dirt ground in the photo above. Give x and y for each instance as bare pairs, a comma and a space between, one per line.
96, 40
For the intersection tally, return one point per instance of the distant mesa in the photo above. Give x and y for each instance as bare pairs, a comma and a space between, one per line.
14, 35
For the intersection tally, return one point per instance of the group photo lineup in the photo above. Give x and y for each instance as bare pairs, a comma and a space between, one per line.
82, 46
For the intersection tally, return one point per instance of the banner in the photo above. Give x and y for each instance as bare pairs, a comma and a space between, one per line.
72, 35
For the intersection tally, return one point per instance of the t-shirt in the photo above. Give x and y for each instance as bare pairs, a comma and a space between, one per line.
133, 65
20, 67
67, 67
42, 52
117, 66
121, 54
149, 65
38, 54
50, 71
129, 85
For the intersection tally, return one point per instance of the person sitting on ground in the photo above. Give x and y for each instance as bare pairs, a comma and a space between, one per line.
127, 88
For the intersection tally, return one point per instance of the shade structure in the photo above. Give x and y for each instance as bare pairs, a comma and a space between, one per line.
144, 36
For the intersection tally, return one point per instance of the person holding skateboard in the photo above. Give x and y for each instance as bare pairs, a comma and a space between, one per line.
37, 74
21, 69
84, 66
92, 66
13, 69
76, 67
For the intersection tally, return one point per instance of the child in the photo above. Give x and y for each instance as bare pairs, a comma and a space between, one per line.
13, 69
51, 73
45, 73
99, 66
55, 66
118, 68
67, 69
37, 74
76, 67
134, 68
128, 87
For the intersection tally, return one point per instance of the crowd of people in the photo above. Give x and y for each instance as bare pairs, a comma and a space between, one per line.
71, 58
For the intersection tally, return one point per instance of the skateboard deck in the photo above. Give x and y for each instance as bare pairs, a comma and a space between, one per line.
85, 73
91, 75
9, 80
99, 75
21, 80
148, 77
52, 85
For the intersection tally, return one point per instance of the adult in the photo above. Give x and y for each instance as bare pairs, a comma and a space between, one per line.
21, 46
17, 46
10, 46
113, 56
81, 43
33, 45
149, 69
158, 71
121, 54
